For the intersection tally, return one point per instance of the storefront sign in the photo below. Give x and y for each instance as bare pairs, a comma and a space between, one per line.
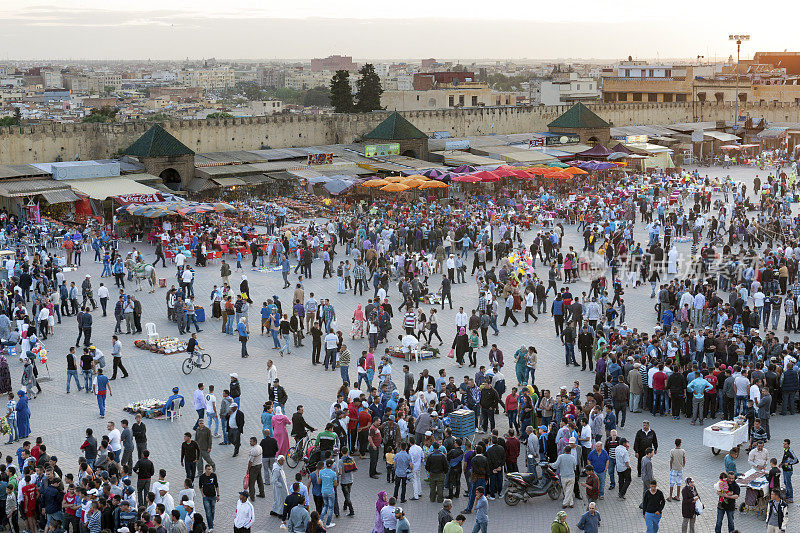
125, 199
373, 150
562, 138
636, 139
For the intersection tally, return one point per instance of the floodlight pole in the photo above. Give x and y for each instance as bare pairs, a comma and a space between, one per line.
738, 39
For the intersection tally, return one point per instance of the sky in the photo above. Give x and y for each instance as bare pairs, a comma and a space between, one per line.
411, 29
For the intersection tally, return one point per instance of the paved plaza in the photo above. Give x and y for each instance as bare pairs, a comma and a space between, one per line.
62, 419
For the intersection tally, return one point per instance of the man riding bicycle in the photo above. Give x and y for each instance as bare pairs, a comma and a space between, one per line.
193, 348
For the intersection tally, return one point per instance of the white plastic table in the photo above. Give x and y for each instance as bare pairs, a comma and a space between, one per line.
724, 439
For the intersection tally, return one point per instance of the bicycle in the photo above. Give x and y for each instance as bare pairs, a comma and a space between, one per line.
190, 362
298, 452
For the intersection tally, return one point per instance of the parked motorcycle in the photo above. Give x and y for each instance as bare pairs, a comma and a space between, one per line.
520, 486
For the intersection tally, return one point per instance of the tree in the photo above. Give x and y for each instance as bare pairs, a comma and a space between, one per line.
108, 89
368, 90
317, 96
104, 114
341, 95
219, 115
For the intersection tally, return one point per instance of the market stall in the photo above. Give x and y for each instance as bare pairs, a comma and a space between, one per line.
725, 435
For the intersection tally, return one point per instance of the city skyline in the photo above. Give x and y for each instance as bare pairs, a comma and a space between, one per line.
249, 30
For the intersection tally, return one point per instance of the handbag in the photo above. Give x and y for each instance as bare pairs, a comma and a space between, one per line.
246, 482
451, 354
698, 507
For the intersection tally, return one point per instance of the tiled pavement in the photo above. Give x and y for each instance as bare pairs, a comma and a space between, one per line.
61, 419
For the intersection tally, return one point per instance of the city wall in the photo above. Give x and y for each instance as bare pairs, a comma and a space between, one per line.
43, 143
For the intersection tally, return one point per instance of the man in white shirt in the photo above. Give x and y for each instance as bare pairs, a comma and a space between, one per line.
410, 345
114, 441
211, 410
461, 319
331, 347
102, 294
387, 515
245, 514
199, 400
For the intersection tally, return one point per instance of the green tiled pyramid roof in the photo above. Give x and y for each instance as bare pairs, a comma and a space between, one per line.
395, 128
579, 116
157, 142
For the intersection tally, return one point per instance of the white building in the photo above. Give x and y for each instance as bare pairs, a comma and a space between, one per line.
207, 78
567, 88
258, 108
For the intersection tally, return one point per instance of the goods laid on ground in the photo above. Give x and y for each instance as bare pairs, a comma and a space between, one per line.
164, 345
151, 408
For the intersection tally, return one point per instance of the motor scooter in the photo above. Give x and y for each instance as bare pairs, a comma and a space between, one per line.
520, 486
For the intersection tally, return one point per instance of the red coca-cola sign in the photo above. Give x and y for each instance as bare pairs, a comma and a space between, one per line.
126, 199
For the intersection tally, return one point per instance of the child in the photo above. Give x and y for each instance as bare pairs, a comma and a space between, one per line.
774, 475
238, 260
576, 389
11, 508
390, 466
592, 485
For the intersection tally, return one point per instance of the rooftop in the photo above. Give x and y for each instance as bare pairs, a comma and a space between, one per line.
579, 116
157, 142
395, 128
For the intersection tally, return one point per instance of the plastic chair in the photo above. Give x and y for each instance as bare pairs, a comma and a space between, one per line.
175, 410
150, 330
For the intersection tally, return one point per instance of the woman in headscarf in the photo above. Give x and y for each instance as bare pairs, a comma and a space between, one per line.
460, 345
520, 366
559, 524
279, 424
279, 489
5, 375
379, 505
358, 323
23, 415
244, 288
266, 418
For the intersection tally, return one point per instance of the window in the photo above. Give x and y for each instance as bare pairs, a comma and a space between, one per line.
579, 86
627, 73
474, 101
637, 97
650, 73
417, 98
668, 97
668, 73
461, 99
623, 97
450, 101
652, 97
680, 97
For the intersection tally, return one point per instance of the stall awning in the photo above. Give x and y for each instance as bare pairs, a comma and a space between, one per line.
228, 182
60, 197
200, 185
721, 136
102, 188
18, 189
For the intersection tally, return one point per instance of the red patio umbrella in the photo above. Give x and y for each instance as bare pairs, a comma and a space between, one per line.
485, 176
469, 178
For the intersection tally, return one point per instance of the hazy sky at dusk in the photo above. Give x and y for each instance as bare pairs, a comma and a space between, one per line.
413, 29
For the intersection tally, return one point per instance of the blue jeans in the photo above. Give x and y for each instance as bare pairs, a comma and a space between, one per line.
612, 467
480, 526
213, 418
602, 479
472, 486
87, 378
343, 370
741, 404
209, 504
530, 372
276, 340
224, 424
192, 319
73, 374
229, 325
13, 433
720, 515
787, 481
327, 508
659, 397
101, 403
569, 352
285, 347
651, 521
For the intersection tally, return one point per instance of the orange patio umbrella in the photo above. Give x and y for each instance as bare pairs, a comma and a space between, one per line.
418, 177
395, 187
433, 185
412, 183
394, 179
575, 170
375, 183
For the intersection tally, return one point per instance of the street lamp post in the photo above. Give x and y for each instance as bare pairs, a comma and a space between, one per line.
738, 39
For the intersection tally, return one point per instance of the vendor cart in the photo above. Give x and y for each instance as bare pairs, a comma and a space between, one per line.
725, 435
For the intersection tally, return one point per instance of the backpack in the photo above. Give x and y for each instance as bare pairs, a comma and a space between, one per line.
349, 465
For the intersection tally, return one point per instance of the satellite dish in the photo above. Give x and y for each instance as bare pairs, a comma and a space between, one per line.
564, 139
